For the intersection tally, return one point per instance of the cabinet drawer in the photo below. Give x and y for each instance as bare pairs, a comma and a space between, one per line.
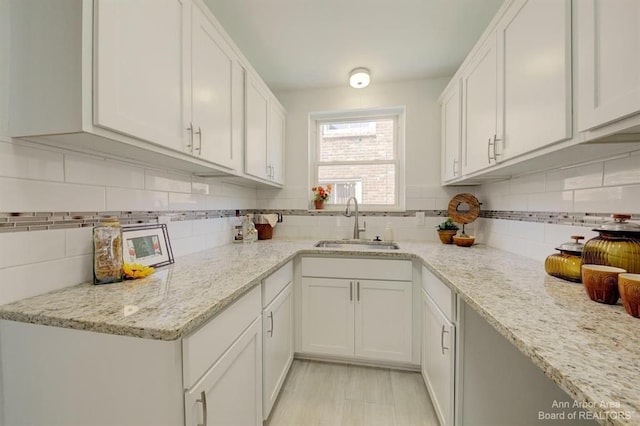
201, 349
373, 269
439, 292
274, 283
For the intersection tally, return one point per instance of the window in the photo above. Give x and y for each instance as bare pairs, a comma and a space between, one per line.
360, 153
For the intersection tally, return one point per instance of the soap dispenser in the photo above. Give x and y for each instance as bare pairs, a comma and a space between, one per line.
387, 235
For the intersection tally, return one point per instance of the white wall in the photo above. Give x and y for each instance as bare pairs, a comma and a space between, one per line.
422, 151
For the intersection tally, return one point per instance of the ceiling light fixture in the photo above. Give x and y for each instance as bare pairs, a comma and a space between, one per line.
359, 78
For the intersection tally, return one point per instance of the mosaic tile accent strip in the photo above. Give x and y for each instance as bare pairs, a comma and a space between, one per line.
42, 221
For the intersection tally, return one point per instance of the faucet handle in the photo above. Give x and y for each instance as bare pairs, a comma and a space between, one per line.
364, 226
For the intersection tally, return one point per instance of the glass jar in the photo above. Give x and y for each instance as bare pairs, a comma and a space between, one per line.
107, 251
617, 245
566, 264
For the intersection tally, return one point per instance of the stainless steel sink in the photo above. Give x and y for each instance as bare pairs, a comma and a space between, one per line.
358, 244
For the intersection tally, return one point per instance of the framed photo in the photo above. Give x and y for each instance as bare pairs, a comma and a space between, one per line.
146, 244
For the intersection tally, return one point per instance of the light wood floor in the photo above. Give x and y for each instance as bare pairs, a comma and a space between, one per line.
317, 393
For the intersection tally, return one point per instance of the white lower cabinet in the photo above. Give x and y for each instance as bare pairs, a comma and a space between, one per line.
438, 345
438, 358
358, 316
53, 375
222, 366
277, 334
230, 392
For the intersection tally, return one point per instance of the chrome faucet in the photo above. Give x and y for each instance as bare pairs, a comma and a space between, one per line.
356, 225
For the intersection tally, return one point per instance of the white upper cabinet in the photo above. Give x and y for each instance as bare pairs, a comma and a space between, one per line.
277, 126
479, 91
608, 43
138, 69
451, 132
211, 92
534, 76
157, 81
257, 131
517, 86
265, 133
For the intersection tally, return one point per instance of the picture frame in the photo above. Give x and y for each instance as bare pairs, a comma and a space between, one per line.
148, 245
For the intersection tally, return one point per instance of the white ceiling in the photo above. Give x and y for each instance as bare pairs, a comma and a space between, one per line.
296, 44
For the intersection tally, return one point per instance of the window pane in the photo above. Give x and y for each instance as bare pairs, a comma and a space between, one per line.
357, 141
370, 184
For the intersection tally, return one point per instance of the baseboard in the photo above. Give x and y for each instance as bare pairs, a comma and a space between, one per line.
358, 361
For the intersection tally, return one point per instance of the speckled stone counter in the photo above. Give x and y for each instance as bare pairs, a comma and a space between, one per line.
590, 350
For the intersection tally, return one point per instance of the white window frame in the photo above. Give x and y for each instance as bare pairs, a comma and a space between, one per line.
398, 115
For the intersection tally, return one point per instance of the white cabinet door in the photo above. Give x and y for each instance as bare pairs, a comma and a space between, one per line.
534, 76
256, 133
608, 42
438, 357
383, 314
139, 86
480, 109
451, 133
230, 393
211, 92
277, 123
277, 338
327, 316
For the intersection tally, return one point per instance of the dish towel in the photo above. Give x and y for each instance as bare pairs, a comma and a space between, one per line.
271, 219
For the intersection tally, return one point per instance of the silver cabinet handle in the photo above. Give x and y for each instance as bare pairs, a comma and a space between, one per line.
203, 400
492, 143
444, 331
199, 133
358, 290
455, 169
270, 332
273, 172
190, 130
350, 291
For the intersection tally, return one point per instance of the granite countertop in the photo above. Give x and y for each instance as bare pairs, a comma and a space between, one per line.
590, 350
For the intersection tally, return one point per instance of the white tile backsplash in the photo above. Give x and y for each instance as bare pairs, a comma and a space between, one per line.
608, 186
88, 170
78, 241
527, 184
587, 176
164, 181
550, 202
21, 195
615, 199
29, 280
34, 179
25, 162
623, 171
136, 199
180, 201
21, 248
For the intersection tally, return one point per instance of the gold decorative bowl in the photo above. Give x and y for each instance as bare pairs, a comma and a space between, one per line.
629, 288
601, 283
463, 240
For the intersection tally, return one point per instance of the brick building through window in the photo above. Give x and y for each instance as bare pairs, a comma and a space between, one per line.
360, 157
